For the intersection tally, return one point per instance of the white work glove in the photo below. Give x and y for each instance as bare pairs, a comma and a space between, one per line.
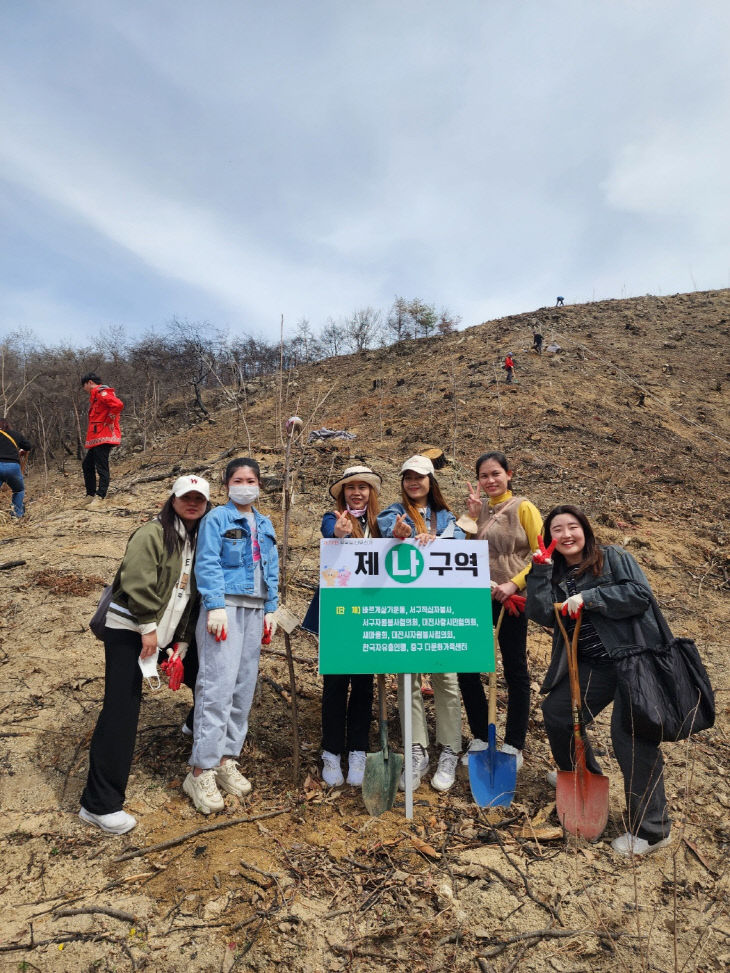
573, 606
217, 624
271, 623
179, 649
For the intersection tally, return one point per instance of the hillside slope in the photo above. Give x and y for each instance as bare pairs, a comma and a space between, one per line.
630, 420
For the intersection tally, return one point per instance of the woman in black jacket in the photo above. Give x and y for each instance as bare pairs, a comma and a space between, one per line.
606, 586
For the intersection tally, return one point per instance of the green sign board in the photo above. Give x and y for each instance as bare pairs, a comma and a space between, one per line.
394, 606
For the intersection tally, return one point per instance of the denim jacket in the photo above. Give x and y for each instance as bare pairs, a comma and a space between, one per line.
618, 596
224, 563
445, 522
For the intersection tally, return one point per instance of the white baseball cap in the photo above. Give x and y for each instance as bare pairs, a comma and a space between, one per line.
418, 464
190, 484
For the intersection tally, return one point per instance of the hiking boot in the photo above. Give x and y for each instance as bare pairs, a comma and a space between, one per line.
203, 792
476, 746
331, 769
517, 754
630, 845
230, 779
356, 767
420, 766
443, 779
118, 822
552, 778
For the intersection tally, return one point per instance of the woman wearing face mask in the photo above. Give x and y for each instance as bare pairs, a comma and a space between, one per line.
511, 526
346, 721
153, 597
237, 571
608, 590
424, 514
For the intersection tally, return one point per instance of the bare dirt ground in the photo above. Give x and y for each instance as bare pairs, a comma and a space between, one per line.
631, 421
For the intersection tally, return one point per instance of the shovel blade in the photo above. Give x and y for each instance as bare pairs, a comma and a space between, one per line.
581, 800
493, 777
380, 781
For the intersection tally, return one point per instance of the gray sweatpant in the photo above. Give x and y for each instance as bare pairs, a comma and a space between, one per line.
225, 685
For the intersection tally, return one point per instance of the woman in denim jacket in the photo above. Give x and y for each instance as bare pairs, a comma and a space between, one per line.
608, 589
424, 514
237, 572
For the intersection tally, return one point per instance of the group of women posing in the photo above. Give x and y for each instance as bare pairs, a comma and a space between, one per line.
236, 575
228, 557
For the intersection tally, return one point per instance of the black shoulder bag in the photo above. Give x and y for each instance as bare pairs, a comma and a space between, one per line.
666, 691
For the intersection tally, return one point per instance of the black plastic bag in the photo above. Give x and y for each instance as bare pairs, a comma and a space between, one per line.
666, 691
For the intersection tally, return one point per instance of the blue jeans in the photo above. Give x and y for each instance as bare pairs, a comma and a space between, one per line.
10, 474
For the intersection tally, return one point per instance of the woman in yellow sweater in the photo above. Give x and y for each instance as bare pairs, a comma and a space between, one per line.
511, 525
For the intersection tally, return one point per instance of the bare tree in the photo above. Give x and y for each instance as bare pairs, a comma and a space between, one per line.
362, 328
332, 339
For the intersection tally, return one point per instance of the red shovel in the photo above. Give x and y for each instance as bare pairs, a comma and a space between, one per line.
581, 798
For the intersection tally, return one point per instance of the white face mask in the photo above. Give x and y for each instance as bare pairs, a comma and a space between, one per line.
242, 494
149, 670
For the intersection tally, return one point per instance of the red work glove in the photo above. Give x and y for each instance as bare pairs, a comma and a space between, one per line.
515, 604
573, 606
173, 669
266, 637
543, 555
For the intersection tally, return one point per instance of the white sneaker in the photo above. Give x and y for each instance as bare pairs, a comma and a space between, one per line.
203, 791
118, 822
443, 779
517, 754
230, 779
332, 769
476, 746
96, 503
420, 766
630, 845
185, 730
356, 767
552, 778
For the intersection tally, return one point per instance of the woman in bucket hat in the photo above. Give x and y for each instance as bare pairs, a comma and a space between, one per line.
424, 514
152, 606
346, 719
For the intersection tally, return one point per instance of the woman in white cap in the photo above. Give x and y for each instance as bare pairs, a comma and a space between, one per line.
153, 597
346, 719
424, 514
237, 571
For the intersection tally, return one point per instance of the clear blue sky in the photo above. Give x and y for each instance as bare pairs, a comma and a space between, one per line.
232, 161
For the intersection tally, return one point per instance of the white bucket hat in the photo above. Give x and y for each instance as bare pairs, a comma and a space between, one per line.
190, 484
418, 464
363, 473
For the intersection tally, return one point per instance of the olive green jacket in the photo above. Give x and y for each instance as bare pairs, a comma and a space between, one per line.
147, 577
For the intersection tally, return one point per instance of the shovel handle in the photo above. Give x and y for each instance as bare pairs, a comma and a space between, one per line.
492, 705
571, 651
383, 715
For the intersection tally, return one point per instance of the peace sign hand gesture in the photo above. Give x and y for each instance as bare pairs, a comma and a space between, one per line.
473, 502
543, 555
343, 524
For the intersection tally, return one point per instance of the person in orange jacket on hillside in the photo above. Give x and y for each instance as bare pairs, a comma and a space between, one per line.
102, 433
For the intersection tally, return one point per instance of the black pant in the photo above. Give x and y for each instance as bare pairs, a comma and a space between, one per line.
96, 461
640, 761
112, 745
513, 648
346, 721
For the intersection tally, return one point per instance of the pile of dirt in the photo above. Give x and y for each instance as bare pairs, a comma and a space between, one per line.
630, 420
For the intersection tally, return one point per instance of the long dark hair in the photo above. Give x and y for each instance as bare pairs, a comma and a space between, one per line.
435, 501
498, 458
236, 464
167, 517
373, 508
592, 554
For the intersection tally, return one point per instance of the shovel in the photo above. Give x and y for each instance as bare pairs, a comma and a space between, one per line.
581, 797
492, 774
382, 768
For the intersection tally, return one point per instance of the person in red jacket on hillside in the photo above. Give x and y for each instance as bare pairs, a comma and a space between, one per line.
102, 433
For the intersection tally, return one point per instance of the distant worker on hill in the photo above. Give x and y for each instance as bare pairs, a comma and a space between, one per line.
509, 367
102, 433
560, 302
13, 448
537, 342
